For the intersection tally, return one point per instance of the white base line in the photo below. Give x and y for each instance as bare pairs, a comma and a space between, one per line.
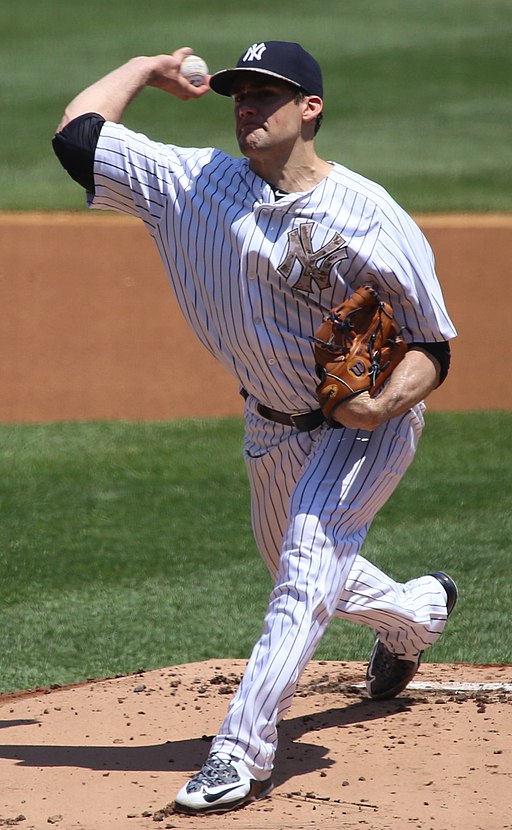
462, 687
435, 686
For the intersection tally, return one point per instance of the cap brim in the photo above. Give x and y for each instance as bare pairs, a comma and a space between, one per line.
222, 82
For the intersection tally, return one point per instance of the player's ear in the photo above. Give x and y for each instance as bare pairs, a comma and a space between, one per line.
312, 107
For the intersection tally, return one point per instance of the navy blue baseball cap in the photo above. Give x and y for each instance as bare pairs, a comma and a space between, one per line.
279, 59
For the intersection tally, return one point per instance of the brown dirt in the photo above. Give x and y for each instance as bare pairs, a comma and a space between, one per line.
89, 331
89, 325
112, 754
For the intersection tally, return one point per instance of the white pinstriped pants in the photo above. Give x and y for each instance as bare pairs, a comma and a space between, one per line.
314, 496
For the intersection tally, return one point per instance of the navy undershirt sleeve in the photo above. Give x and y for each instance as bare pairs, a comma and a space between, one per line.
441, 351
75, 146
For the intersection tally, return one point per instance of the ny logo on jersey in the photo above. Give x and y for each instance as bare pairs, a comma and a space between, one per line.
254, 52
314, 265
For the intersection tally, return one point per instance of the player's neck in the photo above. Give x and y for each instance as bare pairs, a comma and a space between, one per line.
292, 174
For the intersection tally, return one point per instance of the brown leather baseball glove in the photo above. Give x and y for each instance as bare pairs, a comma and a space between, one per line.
356, 347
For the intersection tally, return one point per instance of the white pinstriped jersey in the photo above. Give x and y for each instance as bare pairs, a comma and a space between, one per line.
253, 275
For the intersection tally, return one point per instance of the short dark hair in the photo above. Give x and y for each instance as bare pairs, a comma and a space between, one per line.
301, 94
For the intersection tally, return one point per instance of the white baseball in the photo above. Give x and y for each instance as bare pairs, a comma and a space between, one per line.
194, 69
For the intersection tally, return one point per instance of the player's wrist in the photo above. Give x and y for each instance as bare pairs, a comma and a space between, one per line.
360, 412
165, 69
144, 69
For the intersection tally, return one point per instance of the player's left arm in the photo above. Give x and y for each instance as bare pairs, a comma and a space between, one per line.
416, 299
415, 377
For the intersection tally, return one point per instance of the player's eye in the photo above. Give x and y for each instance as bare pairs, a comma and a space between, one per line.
268, 91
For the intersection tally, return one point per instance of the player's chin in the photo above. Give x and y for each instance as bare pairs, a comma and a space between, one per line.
248, 140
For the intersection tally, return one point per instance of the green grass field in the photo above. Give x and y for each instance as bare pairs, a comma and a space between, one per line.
417, 95
127, 546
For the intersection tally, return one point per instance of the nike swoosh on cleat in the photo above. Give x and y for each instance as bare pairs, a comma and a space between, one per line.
212, 797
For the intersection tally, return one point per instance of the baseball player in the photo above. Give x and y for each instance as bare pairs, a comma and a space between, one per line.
257, 249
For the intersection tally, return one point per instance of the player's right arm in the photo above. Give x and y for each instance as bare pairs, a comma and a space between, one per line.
77, 135
110, 96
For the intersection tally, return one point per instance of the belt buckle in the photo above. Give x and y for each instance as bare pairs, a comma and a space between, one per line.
295, 416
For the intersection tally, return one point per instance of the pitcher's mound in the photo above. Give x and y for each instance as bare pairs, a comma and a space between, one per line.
111, 755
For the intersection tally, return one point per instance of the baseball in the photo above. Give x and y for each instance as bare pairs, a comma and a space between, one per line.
194, 69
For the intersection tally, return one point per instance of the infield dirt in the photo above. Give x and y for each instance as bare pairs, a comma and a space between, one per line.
90, 329
113, 754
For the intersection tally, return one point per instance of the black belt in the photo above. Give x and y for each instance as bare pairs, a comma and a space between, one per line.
303, 421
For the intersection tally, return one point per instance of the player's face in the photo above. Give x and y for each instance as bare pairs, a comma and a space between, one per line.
267, 115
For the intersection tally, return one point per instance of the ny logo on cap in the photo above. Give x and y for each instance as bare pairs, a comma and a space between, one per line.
254, 52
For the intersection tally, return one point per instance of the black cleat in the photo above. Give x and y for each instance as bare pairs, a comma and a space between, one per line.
450, 588
387, 675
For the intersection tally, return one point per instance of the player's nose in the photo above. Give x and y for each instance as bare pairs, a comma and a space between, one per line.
246, 107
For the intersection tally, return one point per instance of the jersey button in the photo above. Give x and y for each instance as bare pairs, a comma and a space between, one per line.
252, 276
271, 361
257, 321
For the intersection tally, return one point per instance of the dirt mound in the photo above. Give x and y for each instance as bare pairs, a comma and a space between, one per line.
114, 753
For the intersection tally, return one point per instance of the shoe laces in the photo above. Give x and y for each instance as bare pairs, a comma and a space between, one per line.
215, 772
